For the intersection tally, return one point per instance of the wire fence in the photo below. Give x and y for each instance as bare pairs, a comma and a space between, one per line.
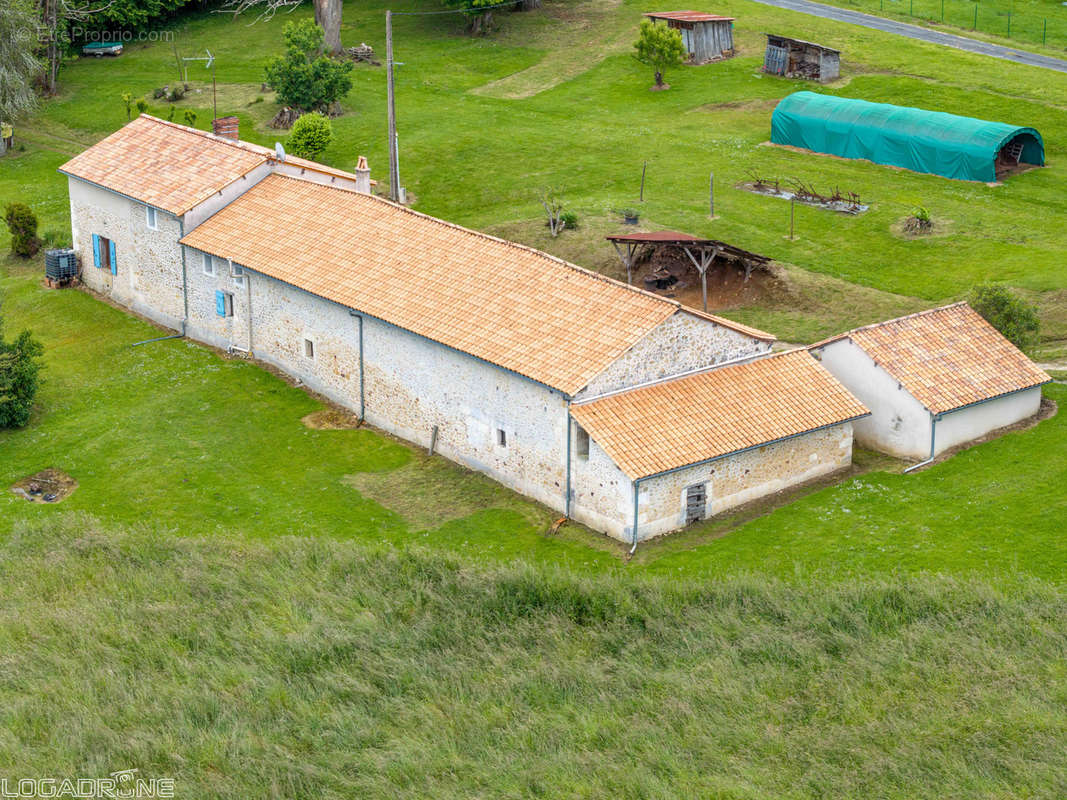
1024, 23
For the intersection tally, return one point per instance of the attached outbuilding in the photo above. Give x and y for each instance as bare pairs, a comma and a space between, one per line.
662, 456
707, 37
924, 141
795, 58
933, 380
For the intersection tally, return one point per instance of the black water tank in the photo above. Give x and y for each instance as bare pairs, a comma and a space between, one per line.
61, 265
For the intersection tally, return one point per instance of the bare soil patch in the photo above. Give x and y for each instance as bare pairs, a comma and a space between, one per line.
727, 286
47, 486
331, 419
912, 228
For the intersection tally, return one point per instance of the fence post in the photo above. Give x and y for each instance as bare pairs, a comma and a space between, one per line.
942, 10
975, 26
1044, 31
911, 9
1009, 24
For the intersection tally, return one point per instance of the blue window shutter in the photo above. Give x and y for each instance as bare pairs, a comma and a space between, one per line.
114, 263
96, 251
220, 302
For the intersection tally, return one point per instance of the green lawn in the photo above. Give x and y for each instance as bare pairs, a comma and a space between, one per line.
555, 98
177, 436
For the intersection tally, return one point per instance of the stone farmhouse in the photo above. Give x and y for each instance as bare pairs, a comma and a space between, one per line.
933, 380
617, 407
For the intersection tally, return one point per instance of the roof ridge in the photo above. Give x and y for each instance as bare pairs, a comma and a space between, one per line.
675, 304
874, 325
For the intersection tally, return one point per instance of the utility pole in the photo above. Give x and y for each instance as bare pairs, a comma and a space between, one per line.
210, 59
394, 156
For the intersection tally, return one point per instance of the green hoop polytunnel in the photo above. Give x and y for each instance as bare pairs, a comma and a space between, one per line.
920, 140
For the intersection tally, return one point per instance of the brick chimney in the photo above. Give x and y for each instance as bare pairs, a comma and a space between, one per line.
362, 175
226, 126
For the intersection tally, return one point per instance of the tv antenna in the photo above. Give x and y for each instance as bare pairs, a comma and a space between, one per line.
210, 59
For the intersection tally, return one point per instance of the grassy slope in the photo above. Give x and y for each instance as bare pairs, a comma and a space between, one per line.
477, 149
300, 668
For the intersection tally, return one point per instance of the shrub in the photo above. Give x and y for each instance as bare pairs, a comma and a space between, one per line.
569, 220
127, 100
53, 238
142, 106
190, 118
922, 214
1009, 314
304, 79
22, 223
311, 135
20, 366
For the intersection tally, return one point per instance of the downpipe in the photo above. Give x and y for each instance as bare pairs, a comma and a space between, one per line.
185, 296
637, 489
933, 431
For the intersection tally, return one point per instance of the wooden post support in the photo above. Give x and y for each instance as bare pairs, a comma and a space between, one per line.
792, 213
711, 195
627, 258
707, 258
644, 168
390, 85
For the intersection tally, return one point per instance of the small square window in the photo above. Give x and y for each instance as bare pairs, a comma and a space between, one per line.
150, 218
309, 348
239, 277
501, 437
209, 265
582, 443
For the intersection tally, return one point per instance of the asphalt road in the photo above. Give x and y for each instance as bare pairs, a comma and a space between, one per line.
919, 32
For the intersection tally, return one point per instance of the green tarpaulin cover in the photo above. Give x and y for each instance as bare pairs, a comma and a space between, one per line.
920, 140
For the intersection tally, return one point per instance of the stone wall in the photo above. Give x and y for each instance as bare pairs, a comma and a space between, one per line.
602, 494
744, 477
683, 343
148, 278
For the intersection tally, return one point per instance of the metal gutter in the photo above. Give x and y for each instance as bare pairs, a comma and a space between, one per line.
185, 291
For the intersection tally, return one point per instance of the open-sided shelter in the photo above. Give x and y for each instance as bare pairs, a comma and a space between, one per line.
925, 141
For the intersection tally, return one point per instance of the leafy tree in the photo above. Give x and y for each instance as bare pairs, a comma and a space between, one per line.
660, 47
1008, 313
22, 223
18, 65
310, 137
479, 14
20, 367
302, 78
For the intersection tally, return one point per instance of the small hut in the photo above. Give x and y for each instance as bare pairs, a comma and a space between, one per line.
707, 37
795, 58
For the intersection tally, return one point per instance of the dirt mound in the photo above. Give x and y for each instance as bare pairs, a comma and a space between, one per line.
331, 419
46, 486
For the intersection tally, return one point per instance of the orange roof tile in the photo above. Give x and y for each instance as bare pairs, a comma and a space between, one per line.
171, 166
947, 357
505, 303
711, 414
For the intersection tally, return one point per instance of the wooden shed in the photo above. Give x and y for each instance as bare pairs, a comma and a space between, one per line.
707, 37
795, 58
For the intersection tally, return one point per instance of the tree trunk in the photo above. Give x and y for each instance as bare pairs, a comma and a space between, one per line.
527, 5
659, 78
328, 17
481, 24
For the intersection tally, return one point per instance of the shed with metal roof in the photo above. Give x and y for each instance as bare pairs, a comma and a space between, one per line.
707, 37
914, 138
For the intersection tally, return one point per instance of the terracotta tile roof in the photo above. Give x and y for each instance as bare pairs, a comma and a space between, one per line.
502, 302
171, 166
947, 357
688, 420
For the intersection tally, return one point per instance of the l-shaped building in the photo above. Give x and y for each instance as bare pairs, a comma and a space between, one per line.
617, 407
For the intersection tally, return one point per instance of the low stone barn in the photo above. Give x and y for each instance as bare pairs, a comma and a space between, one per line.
707, 37
913, 138
796, 58
665, 455
476, 347
933, 380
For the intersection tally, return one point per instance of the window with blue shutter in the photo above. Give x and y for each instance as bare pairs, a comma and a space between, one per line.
114, 263
96, 251
220, 303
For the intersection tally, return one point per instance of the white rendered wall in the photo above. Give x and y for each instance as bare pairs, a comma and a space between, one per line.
958, 427
899, 424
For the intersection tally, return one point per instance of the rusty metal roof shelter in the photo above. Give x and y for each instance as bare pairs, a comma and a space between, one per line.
702, 252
